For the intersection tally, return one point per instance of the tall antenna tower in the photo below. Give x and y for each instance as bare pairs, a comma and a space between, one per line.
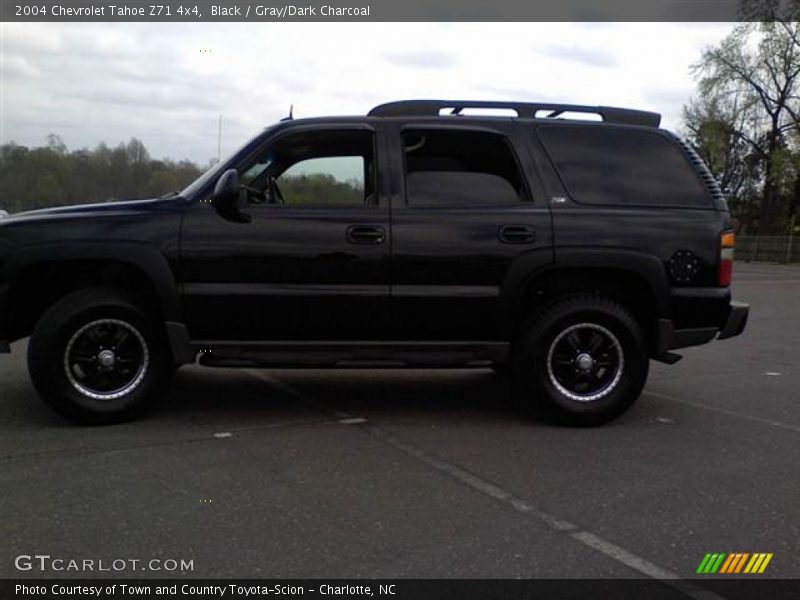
219, 139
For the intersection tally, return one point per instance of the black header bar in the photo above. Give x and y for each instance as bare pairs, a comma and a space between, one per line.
189, 11
711, 588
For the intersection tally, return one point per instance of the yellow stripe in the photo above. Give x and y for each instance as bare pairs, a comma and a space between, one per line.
759, 562
753, 562
765, 563
727, 563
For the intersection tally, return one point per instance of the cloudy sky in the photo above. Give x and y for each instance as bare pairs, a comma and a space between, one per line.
167, 84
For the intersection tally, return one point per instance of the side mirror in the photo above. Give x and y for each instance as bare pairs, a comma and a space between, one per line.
226, 197
227, 189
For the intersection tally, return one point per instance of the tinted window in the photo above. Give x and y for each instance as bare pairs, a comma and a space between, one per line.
603, 165
330, 180
458, 168
314, 168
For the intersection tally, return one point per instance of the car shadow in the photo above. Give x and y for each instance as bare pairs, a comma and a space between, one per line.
338, 392
241, 398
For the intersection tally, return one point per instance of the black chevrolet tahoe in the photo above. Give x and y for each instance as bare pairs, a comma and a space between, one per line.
565, 245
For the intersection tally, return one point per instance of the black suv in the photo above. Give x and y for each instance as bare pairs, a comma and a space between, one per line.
427, 234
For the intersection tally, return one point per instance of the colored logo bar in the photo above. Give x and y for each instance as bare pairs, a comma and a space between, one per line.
734, 563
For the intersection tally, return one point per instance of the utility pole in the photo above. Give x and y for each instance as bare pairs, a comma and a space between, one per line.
219, 139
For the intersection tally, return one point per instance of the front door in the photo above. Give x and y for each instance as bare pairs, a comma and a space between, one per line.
310, 258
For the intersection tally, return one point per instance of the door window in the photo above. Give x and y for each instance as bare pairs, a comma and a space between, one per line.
314, 169
329, 180
460, 168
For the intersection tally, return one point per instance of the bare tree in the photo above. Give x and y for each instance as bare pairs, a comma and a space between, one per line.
713, 126
756, 70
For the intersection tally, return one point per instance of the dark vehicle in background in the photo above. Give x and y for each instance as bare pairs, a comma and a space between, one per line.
427, 234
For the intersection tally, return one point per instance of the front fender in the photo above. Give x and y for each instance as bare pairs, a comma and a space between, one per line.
142, 256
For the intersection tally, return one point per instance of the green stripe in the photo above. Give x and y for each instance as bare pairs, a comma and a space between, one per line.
718, 564
711, 562
703, 563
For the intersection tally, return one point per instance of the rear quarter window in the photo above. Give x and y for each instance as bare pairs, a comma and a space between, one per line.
628, 167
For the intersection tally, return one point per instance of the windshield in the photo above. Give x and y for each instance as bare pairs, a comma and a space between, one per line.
215, 171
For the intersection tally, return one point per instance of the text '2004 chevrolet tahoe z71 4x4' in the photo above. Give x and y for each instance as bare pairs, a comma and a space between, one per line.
428, 233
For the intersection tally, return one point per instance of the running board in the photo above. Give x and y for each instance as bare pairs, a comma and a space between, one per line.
354, 355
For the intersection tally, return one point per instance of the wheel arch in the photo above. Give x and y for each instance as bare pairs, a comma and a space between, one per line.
38, 276
634, 279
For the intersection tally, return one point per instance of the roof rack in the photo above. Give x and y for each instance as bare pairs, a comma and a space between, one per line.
431, 108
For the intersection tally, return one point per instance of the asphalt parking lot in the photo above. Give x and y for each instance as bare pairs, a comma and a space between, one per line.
423, 474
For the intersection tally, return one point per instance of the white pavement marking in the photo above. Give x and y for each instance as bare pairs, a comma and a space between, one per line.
352, 421
290, 391
623, 556
724, 411
643, 566
588, 539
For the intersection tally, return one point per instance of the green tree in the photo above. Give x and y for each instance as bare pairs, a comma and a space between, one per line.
51, 175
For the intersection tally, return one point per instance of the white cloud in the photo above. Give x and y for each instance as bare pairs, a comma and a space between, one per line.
592, 57
422, 59
168, 83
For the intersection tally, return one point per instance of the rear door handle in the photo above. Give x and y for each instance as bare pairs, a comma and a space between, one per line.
517, 234
365, 234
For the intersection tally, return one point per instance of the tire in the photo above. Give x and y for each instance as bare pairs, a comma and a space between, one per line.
554, 373
96, 357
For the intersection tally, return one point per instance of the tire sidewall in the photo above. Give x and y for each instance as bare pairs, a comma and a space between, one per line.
48, 347
634, 369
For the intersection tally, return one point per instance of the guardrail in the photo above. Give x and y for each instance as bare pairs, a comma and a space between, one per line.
768, 248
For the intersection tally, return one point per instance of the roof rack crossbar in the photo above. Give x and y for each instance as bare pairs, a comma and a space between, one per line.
431, 108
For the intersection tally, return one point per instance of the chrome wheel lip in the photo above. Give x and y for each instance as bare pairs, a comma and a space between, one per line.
610, 386
119, 392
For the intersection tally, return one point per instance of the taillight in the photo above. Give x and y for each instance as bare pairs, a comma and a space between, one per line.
726, 243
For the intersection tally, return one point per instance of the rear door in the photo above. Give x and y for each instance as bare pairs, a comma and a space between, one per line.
463, 211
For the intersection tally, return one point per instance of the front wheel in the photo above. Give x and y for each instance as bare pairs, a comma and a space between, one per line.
97, 357
584, 359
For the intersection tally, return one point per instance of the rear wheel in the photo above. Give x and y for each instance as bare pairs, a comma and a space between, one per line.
97, 357
583, 359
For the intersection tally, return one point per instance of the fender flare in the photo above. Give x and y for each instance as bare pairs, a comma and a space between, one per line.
523, 272
141, 256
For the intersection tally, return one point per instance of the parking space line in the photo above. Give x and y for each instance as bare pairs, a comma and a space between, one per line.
488, 488
290, 391
724, 411
587, 538
620, 554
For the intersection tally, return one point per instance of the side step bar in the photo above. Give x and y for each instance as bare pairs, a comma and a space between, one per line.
351, 354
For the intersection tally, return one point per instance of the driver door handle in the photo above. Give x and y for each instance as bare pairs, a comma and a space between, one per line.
366, 234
